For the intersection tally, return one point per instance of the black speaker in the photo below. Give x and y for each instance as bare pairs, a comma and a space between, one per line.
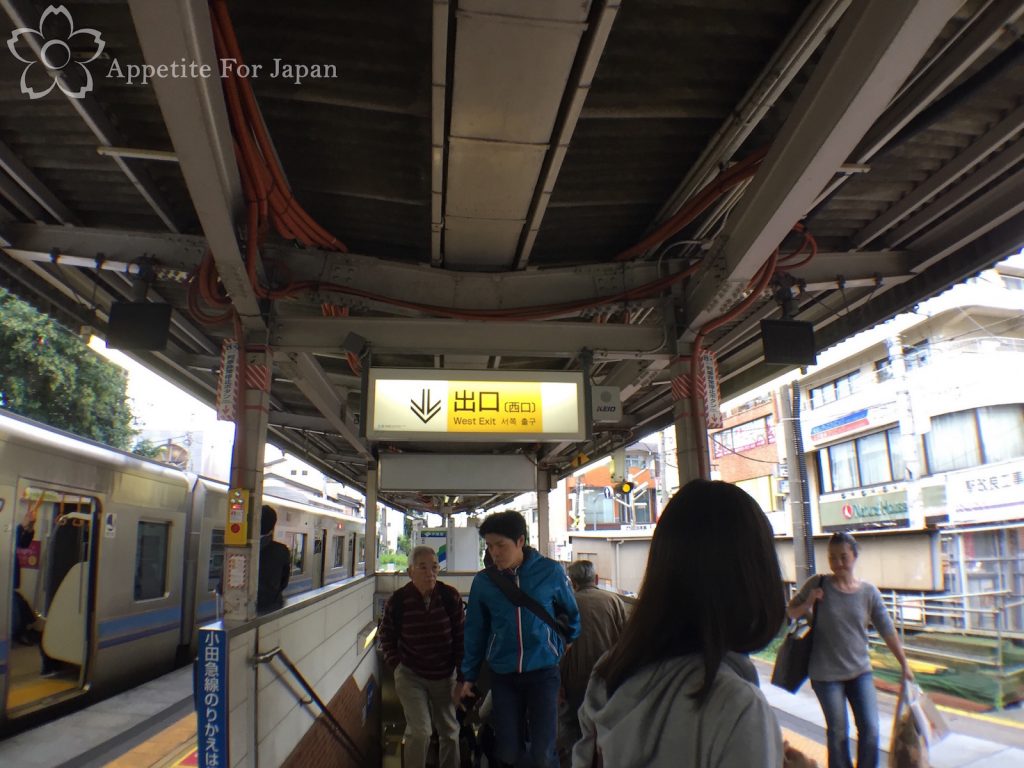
138, 325
788, 342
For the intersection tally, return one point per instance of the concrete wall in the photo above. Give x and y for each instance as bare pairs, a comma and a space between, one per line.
325, 636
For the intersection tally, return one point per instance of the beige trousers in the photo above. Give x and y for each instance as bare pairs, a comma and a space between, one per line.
427, 704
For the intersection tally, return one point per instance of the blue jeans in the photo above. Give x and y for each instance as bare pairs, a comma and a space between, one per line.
833, 696
521, 701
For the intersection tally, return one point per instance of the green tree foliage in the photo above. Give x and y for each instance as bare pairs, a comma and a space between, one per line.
50, 375
147, 449
399, 560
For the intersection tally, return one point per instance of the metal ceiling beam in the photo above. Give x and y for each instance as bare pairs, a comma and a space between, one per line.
1007, 129
438, 111
177, 251
600, 28
197, 122
306, 373
23, 13
830, 266
986, 212
808, 33
424, 337
20, 199
24, 176
983, 176
875, 47
986, 28
300, 421
404, 282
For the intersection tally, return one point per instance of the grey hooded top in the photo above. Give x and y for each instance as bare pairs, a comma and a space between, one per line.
651, 721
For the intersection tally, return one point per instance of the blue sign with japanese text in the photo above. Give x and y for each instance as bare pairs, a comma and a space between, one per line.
212, 698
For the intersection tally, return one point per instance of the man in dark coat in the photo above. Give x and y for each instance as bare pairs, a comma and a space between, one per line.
275, 564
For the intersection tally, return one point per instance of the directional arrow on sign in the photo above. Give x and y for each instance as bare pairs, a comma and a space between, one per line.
425, 410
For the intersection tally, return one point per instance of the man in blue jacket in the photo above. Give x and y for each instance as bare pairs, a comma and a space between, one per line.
521, 649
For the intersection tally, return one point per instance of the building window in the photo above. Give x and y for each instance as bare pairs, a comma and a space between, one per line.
917, 355
1002, 432
1013, 283
873, 459
835, 389
216, 570
969, 438
636, 461
883, 370
298, 553
151, 560
743, 437
869, 460
339, 551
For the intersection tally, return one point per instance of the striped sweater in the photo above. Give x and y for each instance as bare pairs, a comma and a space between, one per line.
428, 641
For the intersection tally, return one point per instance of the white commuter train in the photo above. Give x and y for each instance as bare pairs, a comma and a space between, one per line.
123, 565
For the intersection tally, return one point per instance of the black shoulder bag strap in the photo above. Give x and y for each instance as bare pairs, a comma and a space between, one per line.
814, 611
517, 597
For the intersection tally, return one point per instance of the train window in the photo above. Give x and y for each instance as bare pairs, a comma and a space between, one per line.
216, 571
151, 560
299, 553
339, 552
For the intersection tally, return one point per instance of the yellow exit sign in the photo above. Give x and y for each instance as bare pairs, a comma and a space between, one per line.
483, 405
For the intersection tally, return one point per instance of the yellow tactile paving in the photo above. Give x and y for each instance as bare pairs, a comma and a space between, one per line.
809, 747
170, 747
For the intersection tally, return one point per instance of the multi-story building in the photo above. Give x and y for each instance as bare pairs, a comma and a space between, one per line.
913, 436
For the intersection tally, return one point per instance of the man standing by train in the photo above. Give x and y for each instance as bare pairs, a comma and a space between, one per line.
421, 634
275, 564
522, 614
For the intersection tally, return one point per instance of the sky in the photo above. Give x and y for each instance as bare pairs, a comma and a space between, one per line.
160, 406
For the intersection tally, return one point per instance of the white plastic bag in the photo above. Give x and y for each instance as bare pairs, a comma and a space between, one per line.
930, 722
909, 746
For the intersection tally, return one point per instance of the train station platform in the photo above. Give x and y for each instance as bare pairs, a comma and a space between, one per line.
154, 726
977, 740
109, 729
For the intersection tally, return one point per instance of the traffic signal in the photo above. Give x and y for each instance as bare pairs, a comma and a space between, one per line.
625, 487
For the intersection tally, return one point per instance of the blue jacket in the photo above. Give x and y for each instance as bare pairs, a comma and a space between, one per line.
513, 639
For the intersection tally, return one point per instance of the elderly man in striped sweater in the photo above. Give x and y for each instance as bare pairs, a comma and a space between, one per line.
421, 634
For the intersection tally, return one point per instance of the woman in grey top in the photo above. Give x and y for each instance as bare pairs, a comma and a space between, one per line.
840, 668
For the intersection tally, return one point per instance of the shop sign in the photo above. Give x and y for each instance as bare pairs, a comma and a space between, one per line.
880, 510
986, 494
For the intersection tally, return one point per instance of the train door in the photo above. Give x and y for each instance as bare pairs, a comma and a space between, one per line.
56, 542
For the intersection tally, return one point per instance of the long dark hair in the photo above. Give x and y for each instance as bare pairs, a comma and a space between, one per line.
712, 585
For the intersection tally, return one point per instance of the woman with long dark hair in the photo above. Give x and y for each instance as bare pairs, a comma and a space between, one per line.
674, 691
840, 668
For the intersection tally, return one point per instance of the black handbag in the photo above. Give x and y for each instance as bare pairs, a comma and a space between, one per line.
794, 656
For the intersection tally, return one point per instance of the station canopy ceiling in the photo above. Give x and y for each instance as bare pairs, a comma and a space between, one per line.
513, 185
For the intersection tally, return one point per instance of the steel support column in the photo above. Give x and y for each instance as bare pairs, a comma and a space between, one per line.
371, 536
544, 512
799, 503
247, 473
